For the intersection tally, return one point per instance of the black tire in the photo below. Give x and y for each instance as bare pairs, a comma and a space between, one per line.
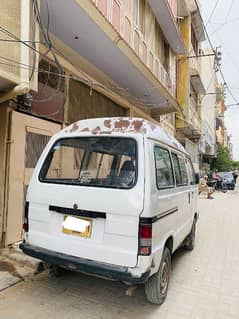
56, 271
190, 240
156, 287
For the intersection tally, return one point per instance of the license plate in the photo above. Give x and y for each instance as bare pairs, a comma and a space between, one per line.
77, 226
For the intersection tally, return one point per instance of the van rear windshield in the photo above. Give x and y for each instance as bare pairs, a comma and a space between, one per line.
92, 161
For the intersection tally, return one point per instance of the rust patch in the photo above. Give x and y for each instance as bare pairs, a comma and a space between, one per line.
107, 123
137, 124
86, 129
74, 128
105, 132
96, 130
153, 127
120, 124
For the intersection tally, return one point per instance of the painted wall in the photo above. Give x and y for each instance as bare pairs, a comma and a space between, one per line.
136, 24
208, 102
183, 83
3, 162
82, 104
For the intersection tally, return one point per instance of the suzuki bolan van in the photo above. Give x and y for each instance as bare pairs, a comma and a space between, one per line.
113, 197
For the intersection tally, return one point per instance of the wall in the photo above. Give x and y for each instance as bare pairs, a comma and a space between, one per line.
17, 18
10, 17
208, 102
82, 104
3, 161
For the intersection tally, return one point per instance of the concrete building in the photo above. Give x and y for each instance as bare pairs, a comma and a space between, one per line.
190, 85
208, 110
77, 59
221, 132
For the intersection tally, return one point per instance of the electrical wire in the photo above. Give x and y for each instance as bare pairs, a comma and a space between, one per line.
213, 11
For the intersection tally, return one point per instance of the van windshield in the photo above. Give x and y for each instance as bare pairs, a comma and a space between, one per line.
92, 161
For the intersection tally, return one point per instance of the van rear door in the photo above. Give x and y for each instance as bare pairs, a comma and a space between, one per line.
85, 198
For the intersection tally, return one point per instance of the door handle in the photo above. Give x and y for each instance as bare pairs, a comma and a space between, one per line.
189, 197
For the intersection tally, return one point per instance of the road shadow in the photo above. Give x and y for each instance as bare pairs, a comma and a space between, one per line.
96, 295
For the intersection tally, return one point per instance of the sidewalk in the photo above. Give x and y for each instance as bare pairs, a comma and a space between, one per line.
204, 282
15, 266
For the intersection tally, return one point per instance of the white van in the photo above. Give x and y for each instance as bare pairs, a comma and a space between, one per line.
113, 197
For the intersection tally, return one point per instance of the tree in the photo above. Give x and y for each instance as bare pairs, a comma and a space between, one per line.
223, 162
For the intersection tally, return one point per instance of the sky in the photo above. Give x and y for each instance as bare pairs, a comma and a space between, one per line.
221, 18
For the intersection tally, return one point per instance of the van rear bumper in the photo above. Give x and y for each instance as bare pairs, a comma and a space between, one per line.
84, 265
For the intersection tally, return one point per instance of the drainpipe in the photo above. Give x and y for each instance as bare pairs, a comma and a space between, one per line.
24, 86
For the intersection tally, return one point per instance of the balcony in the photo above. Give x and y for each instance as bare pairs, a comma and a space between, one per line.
207, 139
104, 35
166, 14
190, 123
195, 73
15, 80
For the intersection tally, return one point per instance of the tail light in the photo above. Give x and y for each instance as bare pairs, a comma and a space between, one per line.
25, 221
145, 240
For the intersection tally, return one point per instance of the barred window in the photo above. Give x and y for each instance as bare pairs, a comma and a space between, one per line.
35, 144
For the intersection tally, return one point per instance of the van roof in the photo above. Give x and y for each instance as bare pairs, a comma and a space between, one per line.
130, 125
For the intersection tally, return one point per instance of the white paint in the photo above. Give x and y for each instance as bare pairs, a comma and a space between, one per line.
114, 240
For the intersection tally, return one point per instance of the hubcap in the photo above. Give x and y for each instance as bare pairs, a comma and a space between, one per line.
164, 277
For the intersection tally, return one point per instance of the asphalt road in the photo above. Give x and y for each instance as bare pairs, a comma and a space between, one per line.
204, 283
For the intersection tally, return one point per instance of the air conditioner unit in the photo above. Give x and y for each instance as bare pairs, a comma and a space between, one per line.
19, 41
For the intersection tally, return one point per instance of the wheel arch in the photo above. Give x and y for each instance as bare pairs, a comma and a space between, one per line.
169, 244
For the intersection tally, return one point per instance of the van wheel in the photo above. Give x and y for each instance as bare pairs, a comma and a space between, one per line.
190, 240
56, 271
156, 287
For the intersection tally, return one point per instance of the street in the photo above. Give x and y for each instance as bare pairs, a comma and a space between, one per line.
204, 282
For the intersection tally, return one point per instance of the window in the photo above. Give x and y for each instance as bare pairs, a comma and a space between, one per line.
164, 171
194, 41
191, 172
183, 170
162, 48
35, 144
180, 170
166, 56
92, 161
177, 172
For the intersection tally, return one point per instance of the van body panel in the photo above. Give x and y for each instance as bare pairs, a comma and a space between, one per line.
115, 213
113, 240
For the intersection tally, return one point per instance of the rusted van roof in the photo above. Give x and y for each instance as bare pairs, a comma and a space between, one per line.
130, 125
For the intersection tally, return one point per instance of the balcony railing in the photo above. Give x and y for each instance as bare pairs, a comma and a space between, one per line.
195, 63
193, 117
117, 15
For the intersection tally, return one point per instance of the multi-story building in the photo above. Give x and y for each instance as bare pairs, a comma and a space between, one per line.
220, 110
76, 59
190, 85
208, 109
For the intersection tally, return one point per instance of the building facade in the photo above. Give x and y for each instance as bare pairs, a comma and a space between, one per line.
78, 59
190, 86
208, 110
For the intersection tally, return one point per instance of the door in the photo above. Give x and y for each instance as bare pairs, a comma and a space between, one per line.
193, 188
182, 196
28, 137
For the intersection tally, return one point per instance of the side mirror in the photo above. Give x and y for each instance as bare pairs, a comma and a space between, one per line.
197, 178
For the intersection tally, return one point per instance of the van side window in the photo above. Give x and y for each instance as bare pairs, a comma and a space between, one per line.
183, 170
163, 165
190, 171
180, 170
177, 170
